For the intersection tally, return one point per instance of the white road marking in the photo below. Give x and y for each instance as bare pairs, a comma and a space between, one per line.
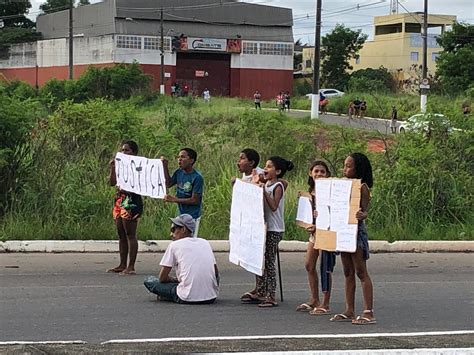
66, 342
266, 337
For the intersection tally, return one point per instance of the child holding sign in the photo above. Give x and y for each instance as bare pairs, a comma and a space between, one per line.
128, 208
274, 206
357, 166
318, 169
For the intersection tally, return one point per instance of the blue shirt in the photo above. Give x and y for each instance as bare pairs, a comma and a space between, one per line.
186, 185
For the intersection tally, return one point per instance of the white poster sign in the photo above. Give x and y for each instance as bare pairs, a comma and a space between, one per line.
337, 201
140, 175
247, 227
207, 44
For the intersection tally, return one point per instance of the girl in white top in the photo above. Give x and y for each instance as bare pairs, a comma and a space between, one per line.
274, 206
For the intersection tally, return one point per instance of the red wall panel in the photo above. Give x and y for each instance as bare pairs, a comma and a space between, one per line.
244, 82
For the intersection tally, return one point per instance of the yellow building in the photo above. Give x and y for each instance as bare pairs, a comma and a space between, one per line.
397, 44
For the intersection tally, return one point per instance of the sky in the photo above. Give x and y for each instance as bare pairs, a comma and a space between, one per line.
345, 12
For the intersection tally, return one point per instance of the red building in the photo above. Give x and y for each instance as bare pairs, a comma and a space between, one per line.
231, 48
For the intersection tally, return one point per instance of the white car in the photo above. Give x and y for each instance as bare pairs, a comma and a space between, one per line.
328, 93
422, 123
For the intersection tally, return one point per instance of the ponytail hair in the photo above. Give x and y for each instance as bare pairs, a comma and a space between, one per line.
281, 164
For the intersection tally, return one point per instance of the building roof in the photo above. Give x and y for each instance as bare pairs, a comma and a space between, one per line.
193, 18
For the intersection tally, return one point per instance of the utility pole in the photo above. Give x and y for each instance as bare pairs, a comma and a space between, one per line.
316, 63
162, 55
424, 83
71, 44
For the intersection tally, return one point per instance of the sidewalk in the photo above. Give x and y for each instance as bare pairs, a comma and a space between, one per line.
149, 246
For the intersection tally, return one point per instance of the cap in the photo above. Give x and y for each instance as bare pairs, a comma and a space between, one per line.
185, 220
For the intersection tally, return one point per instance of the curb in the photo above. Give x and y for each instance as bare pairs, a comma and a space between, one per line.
150, 246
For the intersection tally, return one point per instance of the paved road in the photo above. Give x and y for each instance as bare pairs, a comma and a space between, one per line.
375, 124
69, 297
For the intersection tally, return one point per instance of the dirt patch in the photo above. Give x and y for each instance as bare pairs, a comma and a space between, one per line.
377, 145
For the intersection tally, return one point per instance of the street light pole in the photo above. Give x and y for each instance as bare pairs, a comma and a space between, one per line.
71, 38
424, 35
316, 63
162, 55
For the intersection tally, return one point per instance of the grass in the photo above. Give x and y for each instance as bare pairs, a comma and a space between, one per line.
75, 202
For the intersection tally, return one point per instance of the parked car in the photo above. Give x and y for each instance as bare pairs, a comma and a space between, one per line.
425, 123
328, 93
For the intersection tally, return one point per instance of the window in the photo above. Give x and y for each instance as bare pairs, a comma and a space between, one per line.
434, 56
309, 63
134, 42
153, 43
250, 48
414, 56
276, 48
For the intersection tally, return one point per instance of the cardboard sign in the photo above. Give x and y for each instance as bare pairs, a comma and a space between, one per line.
337, 202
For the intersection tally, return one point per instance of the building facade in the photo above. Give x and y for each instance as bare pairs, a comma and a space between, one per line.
397, 44
229, 47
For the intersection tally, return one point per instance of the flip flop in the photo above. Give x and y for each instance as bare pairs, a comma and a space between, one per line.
249, 297
320, 311
304, 307
363, 321
268, 304
340, 317
127, 273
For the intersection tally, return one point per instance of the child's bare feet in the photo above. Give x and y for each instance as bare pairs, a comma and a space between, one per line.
117, 269
128, 271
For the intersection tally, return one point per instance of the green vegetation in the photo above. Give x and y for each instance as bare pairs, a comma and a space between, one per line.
56, 146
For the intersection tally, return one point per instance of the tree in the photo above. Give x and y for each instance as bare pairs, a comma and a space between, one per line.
13, 13
338, 47
372, 80
455, 67
51, 6
297, 57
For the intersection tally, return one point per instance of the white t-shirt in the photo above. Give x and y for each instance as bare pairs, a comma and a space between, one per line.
248, 178
194, 262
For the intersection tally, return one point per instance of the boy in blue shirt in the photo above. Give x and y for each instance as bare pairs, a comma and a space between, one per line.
189, 185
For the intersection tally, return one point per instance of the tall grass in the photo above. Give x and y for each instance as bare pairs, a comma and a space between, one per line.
422, 189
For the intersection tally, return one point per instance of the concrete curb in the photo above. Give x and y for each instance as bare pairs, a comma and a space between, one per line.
111, 246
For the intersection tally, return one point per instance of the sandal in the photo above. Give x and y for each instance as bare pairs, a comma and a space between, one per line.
304, 307
341, 317
320, 311
268, 303
362, 320
250, 297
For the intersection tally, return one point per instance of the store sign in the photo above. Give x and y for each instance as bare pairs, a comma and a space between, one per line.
207, 44
200, 73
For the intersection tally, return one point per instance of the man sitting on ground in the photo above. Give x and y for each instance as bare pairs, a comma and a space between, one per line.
197, 276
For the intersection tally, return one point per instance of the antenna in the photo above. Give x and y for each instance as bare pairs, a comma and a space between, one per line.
393, 7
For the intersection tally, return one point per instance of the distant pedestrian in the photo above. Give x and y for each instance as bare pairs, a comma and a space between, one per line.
323, 102
173, 90
280, 101
206, 95
185, 90
363, 108
350, 111
257, 99
393, 121
357, 104
287, 100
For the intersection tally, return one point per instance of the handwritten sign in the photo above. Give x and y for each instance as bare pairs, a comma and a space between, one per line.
140, 175
247, 227
337, 201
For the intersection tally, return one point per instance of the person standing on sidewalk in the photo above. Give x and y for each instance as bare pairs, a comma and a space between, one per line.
257, 99
189, 185
127, 210
393, 121
197, 275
